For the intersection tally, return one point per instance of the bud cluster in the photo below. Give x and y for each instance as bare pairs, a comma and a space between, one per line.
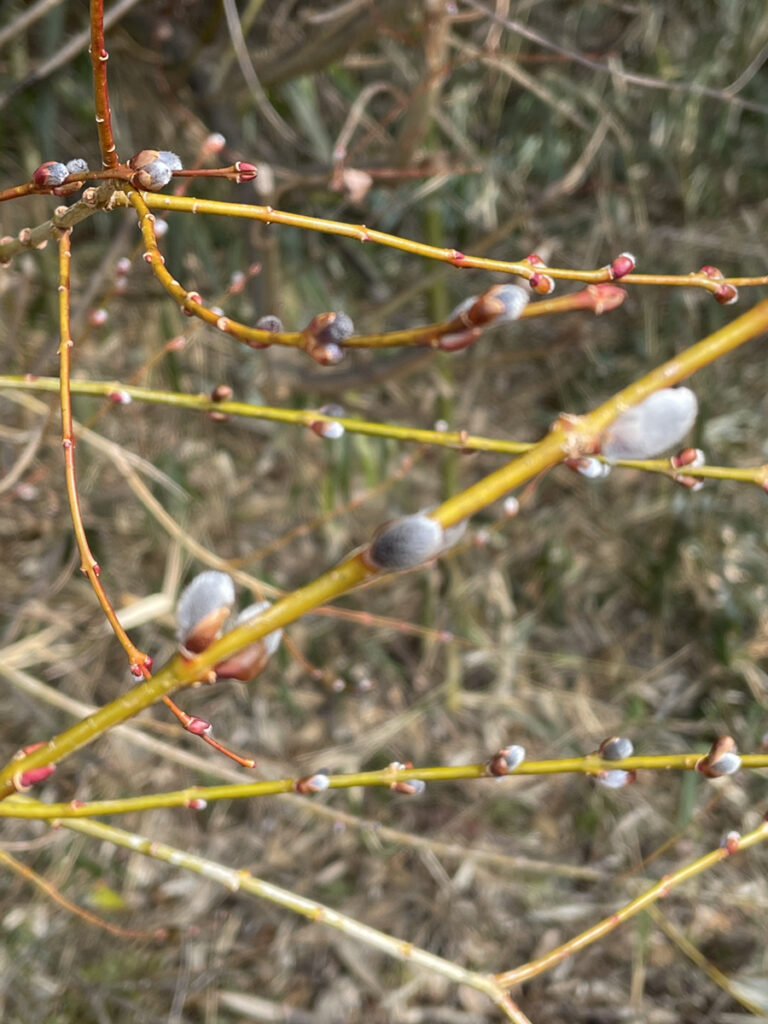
153, 168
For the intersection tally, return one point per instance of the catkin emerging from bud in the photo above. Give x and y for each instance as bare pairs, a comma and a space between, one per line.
202, 610
405, 543
651, 427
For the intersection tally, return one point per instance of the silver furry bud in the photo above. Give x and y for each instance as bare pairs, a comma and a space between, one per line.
659, 422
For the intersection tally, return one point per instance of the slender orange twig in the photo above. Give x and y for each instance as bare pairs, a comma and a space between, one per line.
99, 58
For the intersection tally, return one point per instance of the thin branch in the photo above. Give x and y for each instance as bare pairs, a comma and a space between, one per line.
571, 436
508, 979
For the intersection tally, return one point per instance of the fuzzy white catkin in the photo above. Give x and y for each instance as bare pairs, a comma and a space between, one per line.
514, 298
206, 593
406, 542
653, 426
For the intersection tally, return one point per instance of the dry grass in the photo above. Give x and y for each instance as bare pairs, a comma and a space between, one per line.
624, 606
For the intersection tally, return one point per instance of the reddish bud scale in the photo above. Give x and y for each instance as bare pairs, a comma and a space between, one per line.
458, 341
198, 727
624, 264
714, 273
687, 457
542, 284
33, 776
534, 260
245, 171
222, 393
726, 294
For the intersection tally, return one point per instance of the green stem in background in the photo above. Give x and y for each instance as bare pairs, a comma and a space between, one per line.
590, 764
570, 436
508, 979
243, 881
361, 233
457, 439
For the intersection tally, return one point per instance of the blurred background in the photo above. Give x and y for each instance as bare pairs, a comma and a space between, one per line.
621, 606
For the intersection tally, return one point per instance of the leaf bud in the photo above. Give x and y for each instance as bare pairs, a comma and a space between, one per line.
202, 610
50, 174
651, 426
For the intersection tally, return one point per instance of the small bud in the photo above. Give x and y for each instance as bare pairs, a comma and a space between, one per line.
335, 328
50, 174
694, 458
221, 393
456, 341
248, 663
98, 317
270, 323
616, 779
316, 783
192, 297
197, 804
589, 467
214, 143
161, 228
405, 543
511, 506
33, 776
506, 760
534, 260
713, 273
123, 266
409, 787
726, 294
722, 759
657, 423
150, 172
236, 282
119, 397
199, 727
624, 264
327, 355
542, 284
330, 430
691, 483
616, 748
176, 344
77, 166
730, 841
202, 610
245, 171
171, 159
